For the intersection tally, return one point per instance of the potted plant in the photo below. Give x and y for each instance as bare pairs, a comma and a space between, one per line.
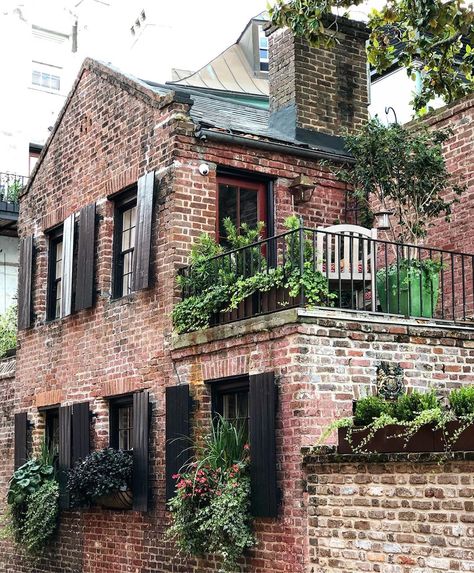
402, 171
219, 289
33, 503
459, 433
102, 478
408, 424
210, 511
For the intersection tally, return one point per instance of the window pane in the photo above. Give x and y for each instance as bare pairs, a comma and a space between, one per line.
124, 440
36, 78
125, 424
126, 240
248, 207
55, 83
264, 66
227, 206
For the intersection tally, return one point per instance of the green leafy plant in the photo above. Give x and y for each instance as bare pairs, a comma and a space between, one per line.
216, 284
404, 171
8, 328
461, 401
369, 408
409, 405
211, 508
33, 503
409, 413
99, 474
433, 39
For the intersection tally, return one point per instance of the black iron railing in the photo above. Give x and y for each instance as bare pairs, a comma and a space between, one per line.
349, 269
11, 185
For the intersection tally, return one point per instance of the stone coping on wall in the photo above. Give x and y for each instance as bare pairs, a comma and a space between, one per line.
327, 317
317, 455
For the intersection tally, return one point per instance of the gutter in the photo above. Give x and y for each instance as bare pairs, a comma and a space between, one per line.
314, 154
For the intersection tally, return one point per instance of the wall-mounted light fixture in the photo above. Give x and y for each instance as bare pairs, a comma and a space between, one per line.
302, 189
382, 219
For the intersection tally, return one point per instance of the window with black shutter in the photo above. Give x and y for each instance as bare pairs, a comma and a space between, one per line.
51, 429
55, 274
129, 420
124, 242
132, 237
252, 401
121, 423
178, 410
84, 287
21, 438
25, 283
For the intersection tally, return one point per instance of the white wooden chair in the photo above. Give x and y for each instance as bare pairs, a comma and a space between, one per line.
348, 255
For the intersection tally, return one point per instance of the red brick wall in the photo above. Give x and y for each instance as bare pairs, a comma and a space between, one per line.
111, 133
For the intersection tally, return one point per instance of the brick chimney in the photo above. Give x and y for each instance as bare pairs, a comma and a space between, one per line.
323, 90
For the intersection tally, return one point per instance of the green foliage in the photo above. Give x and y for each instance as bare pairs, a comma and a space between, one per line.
369, 408
410, 270
8, 328
410, 412
13, 191
461, 401
428, 35
33, 503
219, 284
405, 171
211, 508
408, 406
41, 518
100, 473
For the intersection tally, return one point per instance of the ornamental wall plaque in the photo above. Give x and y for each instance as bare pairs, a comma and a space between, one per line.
390, 383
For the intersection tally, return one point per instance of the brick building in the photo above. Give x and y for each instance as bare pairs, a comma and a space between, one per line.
115, 202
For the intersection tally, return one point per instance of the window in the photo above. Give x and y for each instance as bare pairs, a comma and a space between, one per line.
230, 399
121, 423
242, 201
55, 274
263, 49
126, 221
51, 433
46, 77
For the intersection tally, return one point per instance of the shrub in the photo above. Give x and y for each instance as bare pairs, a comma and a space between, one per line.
408, 406
369, 408
211, 508
461, 401
100, 473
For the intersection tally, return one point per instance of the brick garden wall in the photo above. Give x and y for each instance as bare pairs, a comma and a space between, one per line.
405, 514
322, 362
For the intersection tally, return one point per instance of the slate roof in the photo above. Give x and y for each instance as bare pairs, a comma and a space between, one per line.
220, 113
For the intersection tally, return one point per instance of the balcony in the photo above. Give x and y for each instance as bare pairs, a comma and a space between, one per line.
11, 185
342, 267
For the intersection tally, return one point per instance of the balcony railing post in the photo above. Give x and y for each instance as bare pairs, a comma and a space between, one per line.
301, 256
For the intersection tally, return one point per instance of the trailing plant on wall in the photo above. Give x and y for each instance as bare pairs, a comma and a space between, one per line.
33, 503
408, 414
216, 284
211, 508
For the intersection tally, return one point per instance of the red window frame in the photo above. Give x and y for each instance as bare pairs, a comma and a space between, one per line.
261, 190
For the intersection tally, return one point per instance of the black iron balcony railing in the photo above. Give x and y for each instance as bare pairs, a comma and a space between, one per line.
348, 269
11, 185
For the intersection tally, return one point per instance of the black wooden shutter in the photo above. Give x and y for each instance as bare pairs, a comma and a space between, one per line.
262, 407
141, 256
85, 259
178, 406
25, 282
80, 431
21, 440
141, 416
64, 461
